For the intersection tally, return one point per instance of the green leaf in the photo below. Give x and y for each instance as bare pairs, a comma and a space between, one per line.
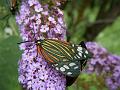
9, 56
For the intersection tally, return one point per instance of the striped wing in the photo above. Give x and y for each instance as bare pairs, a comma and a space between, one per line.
58, 50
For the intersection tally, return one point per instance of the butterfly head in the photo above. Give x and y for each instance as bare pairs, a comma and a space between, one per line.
38, 42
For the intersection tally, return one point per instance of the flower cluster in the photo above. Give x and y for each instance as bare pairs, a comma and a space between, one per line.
104, 63
37, 21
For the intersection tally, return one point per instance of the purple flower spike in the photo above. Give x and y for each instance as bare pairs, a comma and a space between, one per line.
37, 21
104, 63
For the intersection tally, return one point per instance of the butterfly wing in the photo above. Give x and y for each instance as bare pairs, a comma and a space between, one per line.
68, 68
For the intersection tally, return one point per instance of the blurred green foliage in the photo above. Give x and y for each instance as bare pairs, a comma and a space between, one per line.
109, 38
9, 50
90, 20
89, 82
9, 55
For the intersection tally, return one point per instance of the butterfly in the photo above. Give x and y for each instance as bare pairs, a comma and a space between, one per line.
13, 6
67, 58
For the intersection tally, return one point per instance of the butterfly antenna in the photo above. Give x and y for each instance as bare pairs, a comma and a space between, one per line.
24, 42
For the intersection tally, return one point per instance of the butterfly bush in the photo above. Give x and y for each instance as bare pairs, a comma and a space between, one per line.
36, 21
106, 64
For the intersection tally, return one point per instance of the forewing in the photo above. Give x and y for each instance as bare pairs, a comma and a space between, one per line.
84, 53
44, 54
58, 50
81, 53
